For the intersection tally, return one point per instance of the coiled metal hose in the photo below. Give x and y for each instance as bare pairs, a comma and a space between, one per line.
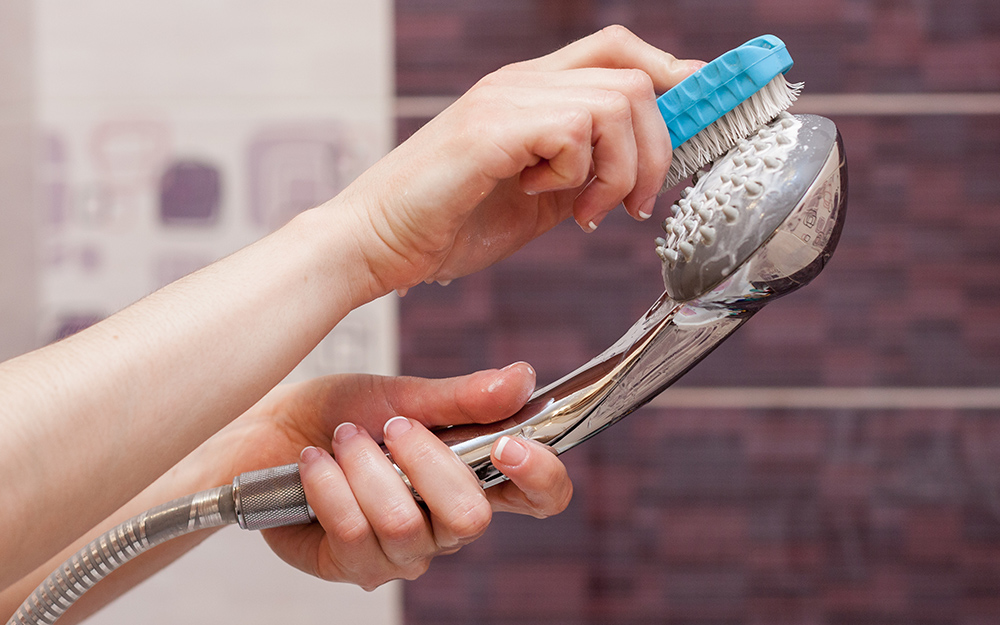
255, 500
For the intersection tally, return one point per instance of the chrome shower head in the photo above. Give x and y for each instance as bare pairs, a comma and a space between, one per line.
745, 200
762, 222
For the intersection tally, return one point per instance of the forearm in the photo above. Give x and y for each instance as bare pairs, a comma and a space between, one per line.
89, 422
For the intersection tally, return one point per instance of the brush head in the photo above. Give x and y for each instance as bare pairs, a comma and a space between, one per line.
745, 201
711, 110
730, 129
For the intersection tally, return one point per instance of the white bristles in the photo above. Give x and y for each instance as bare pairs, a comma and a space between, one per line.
731, 128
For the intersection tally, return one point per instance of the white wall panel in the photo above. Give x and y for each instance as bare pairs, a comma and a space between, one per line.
168, 135
18, 267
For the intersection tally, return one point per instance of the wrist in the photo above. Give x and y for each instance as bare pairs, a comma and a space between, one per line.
339, 243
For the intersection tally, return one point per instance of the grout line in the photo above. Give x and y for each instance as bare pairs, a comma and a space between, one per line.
899, 104
939, 398
870, 104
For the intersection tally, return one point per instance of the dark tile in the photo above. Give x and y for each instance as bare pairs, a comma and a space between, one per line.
750, 516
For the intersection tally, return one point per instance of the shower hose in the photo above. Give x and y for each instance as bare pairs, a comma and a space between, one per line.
255, 500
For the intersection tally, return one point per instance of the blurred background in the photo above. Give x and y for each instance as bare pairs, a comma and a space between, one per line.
837, 461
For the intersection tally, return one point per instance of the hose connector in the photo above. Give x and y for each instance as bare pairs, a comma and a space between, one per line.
271, 497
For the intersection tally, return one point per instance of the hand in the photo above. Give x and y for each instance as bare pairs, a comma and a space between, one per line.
370, 528
573, 133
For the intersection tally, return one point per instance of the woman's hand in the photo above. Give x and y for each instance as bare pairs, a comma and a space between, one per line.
573, 133
370, 528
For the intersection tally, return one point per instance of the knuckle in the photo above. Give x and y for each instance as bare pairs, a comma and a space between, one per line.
557, 494
563, 502
576, 130
470, 519
491, 80
618, 35
369, 581
511, 67
556, 506
636, 82
416, 568
352, 530
577, 177
578, 124
617, 105
401, 525
503, 76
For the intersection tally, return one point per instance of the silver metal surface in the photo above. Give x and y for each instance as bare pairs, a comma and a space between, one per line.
271, 498
55, 595
787, 224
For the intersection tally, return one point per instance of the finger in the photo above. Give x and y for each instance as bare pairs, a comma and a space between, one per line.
652, 139
497, 136
615, 162
481, 397
654, 155
617, 47
403, 532
539, 484
565, 156
611, 143
350, 549
458, 507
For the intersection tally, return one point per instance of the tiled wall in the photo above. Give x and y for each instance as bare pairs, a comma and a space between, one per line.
835, 514
157, 158
163, 136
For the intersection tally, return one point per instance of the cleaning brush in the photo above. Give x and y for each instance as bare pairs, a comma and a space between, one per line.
724, 102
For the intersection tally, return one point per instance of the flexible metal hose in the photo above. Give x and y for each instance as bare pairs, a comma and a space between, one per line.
256, 500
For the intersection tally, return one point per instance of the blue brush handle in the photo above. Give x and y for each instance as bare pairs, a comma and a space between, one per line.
722, 85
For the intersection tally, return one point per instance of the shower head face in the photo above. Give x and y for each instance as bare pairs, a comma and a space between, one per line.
783, 187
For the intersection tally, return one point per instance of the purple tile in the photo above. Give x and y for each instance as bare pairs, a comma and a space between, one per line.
752, 516
190, 194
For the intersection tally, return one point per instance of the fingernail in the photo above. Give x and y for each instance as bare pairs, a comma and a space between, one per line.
589, 227
646, 210
500, 380
344, 431
310, 454
511, 452
396, 427
519, 363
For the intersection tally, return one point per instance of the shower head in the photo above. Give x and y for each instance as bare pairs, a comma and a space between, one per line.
745, 201
762, 222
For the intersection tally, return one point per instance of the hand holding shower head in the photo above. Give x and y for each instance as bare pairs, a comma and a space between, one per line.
761, 223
